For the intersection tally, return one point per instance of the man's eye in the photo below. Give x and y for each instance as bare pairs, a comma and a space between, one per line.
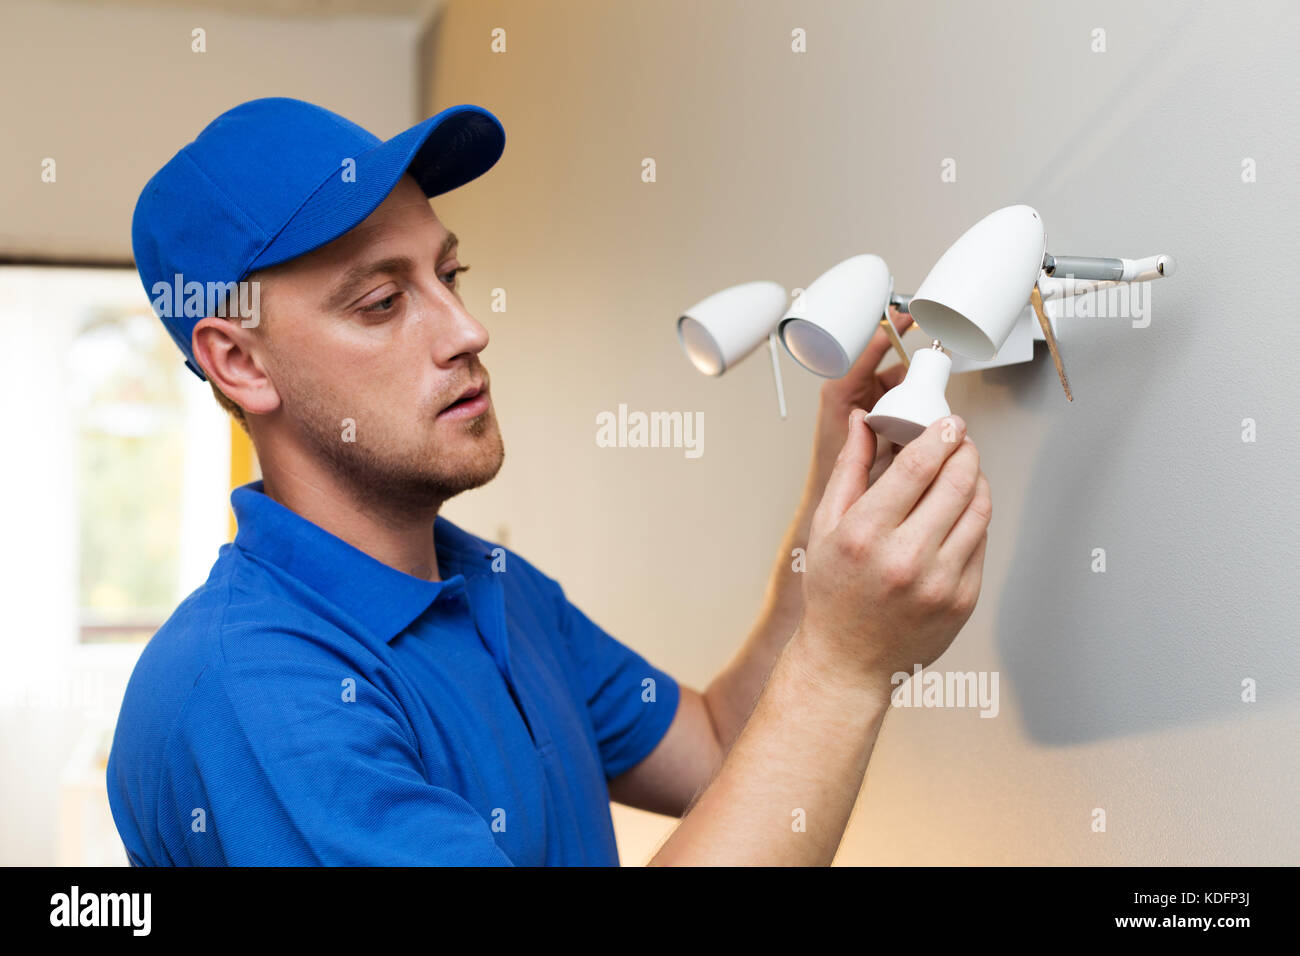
383, 305
449, 277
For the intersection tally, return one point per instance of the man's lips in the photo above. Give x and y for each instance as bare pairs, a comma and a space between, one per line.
471, 402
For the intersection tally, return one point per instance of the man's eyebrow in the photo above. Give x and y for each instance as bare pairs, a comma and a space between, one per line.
346, 287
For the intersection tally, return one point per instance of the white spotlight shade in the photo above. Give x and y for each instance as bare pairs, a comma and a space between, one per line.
972, 297
915, 403
719, 331
829, 325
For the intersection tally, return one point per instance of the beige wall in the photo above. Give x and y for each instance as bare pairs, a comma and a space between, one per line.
111, 92
1119, 691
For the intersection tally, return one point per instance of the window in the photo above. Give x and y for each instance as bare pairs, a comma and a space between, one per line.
139, 447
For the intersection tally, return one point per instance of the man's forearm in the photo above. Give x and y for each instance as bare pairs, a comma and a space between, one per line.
786, 789
732, 694
708, 723
875, 603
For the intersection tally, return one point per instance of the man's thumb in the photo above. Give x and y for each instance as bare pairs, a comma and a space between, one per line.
848, 478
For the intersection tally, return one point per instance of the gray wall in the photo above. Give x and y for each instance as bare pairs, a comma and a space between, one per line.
1120, 690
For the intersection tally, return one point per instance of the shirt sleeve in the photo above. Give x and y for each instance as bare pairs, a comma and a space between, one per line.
631, 702
284, 763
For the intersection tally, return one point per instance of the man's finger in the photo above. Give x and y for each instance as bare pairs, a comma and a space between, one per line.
893, 376
885, 452
972, 575
970, 527
848, 479
897, 491
948, 496
877, 346
902, 320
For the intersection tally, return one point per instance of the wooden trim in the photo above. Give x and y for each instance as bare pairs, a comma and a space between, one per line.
241, 466
67, 262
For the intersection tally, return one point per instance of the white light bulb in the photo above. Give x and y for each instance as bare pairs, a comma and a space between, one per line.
918, 401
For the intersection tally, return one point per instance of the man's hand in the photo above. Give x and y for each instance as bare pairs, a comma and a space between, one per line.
910, 618
730, 697
893, 572
894, 569
861, 387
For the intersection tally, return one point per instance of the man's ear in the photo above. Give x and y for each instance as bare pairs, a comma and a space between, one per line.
231, 356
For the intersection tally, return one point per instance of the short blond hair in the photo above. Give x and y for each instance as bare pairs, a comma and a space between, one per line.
229, 405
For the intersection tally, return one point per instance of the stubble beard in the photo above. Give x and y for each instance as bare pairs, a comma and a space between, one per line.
383, 475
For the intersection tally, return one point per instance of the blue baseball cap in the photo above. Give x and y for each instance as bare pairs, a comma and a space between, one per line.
275, 178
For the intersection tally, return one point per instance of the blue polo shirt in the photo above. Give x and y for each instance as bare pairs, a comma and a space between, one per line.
311, 705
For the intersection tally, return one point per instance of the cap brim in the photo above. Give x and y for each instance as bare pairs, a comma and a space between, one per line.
445, 151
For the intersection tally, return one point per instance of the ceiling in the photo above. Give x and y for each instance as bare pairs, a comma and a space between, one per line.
417, 9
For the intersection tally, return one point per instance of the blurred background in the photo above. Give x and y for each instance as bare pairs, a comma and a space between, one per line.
785, 137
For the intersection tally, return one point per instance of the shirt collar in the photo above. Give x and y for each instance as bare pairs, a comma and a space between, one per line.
381, 598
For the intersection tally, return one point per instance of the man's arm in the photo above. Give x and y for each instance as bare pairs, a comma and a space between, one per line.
707, 724
894, 571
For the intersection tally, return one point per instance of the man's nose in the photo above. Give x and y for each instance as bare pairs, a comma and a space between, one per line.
457, 332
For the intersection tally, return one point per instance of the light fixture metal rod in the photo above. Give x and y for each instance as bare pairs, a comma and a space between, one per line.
1084, 267
1063, 284
900, 301
1108, 270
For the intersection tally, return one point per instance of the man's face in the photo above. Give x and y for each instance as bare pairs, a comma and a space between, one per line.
372, 351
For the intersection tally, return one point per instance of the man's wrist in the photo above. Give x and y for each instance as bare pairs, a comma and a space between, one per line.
827, 673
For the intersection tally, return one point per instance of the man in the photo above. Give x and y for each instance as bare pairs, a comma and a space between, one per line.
362, 682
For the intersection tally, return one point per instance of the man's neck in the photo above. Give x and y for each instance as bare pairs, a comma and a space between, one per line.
401, 539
